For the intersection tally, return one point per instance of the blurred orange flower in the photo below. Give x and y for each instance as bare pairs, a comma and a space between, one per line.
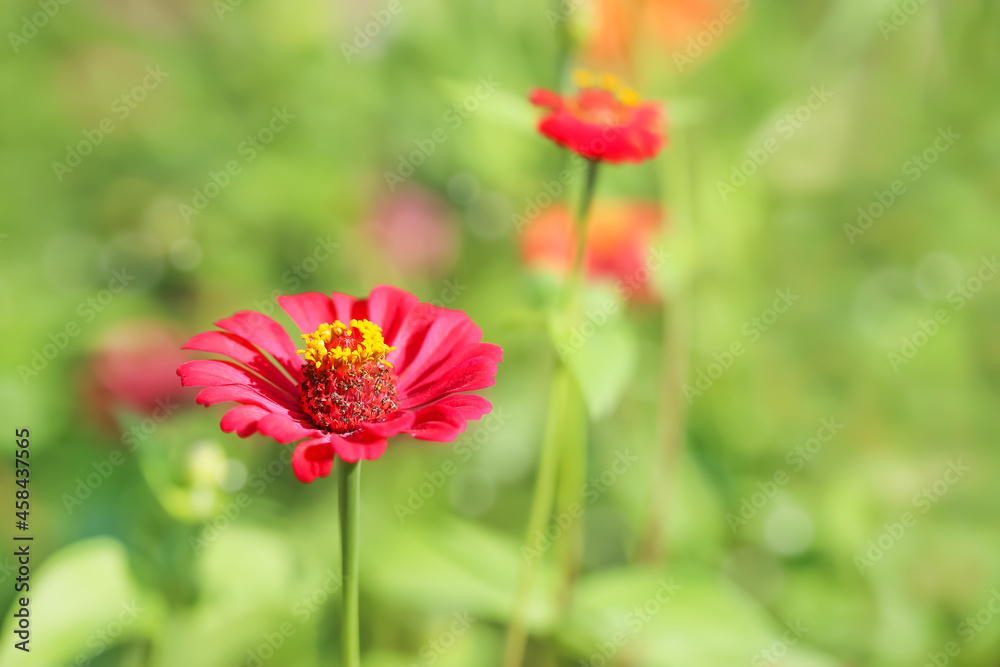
620, 244
673, 24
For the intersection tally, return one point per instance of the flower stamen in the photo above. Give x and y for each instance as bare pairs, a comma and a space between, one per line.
586, 79
347, 377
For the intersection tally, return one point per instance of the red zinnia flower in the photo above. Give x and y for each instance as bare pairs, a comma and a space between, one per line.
602, 122
395, 367
619, 243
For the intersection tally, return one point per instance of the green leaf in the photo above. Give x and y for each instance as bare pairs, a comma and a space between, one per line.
83, 601
600, 348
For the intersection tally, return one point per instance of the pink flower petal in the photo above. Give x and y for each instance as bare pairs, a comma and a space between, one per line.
546, 98
212, 373
241, 350
312, 459
446, 367
285, 429
266, 334
308, 310
437, 422
410, 336
470, 406
388, 308
352, 451
398, 423
477, 373
246, 395
449, 330
347, 308
243, 420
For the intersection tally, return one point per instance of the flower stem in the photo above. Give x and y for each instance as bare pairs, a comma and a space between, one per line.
573, 458
349, 493
562, 404
578, 271
565, 436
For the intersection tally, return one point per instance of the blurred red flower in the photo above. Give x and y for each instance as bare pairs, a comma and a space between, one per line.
603, 121
133, 368
396, 367
619, 244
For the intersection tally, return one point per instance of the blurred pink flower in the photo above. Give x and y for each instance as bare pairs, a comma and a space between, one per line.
415, 230
134, 368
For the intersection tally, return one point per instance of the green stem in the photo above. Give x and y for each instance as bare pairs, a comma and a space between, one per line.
573, 467
572, 477
349, 493
545, 489
564, 447
578, 273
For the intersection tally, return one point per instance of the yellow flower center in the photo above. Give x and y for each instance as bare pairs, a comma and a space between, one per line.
609, 82
346, 378
334, 345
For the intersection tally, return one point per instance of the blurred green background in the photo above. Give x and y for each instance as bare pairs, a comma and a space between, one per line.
219, 154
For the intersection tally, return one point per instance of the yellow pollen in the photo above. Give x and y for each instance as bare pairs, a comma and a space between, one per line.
609, 82
582, 78
371, 347
629, 97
